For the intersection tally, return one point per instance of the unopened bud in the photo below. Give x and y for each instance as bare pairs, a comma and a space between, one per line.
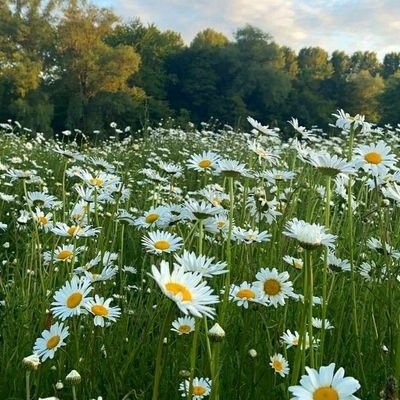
32, 361
252, 353
73, 377
216, 333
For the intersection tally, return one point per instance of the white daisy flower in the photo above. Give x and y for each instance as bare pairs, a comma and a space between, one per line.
202, 264
183, 325
203, 162
375, 158
245, 293
51, 340
159, 242
101, 310
325, 385
249, 236
274, 286
294, 262
71, 298
344, 121
310, 236
186, 289
201, 210
201, 387
156, 216
65, 253
230, 168
317, 323
279, 364
62, 229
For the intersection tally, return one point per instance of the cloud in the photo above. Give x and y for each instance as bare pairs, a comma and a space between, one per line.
347, 25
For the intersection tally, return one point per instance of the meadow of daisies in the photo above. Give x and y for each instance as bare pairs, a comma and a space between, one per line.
202, 264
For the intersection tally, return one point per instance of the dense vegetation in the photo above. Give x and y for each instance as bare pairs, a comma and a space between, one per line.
75, 66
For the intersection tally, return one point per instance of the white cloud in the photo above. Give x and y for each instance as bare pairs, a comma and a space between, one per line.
348, 25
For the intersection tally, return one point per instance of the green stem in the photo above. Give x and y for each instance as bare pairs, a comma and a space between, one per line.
157, 373
27, 385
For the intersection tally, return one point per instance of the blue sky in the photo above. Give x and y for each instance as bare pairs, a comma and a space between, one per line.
347, 25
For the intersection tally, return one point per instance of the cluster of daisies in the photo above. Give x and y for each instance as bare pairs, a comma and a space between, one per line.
177, 204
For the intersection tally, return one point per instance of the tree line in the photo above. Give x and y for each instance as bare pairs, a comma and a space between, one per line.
72, 65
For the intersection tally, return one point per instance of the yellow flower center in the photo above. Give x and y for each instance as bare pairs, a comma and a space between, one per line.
162, 245
96, 181
53, 342
99, 309
198, 390
205, 163
277, 365
74, 230
74, 300
184, 329
178, 289
220, 224
272, 287
325, 393
373, 158
245, 293
42, 220
64, 254
150, 218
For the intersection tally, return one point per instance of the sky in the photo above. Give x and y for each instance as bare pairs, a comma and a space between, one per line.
348, 25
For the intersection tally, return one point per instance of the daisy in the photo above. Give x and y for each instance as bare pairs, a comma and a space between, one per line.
101, 310
279, 364
263, 154
217, 224
310, 236
107, 273
215, 197
171, 169
245, 293
51, 340
325, 385
375, 158
274, 175
294, 262
159, 242
183, 326
62, 229
392, 191
230, 168
263, 129
44, 200
336, 263
186, 289
293, 339
249, 236
71, 298
65, 253
330, 165
344, 121
201, 210
156, 216
203, 162
317, 323
274, 286
201, 387
44, 220
202, 264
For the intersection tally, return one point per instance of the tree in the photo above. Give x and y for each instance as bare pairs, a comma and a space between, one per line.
389, 100
365, 90
367, 60
391, 64
86, 64
209, 38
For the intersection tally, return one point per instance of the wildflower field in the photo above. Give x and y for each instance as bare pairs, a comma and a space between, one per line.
201, 264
